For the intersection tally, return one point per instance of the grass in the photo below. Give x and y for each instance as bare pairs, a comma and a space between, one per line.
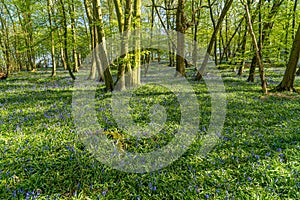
257, 156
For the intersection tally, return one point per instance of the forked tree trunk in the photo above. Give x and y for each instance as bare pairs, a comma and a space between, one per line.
258, 54
213, 38
287, 84
124, 28
266, 29
102, 47
66, 55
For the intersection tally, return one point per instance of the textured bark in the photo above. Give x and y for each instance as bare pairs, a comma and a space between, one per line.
180, 28
28, 29
135, 79
213, 38
258, 54
62, 57
102, 48
266, 29
89, 14
66, 55
287, 83
125, 32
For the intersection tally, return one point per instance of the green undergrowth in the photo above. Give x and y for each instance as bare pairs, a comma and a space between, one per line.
256, 156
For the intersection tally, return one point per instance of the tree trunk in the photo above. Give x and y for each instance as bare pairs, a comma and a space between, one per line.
180, 28
97, 39
213, 38
195, 50
5, 46
258, 54
73, 32
66, 56
267, 27
89, 14
243, 50
168, 5
125, 65
294, 19
287, 84
52, 38
137, 57
214, 26
102, 48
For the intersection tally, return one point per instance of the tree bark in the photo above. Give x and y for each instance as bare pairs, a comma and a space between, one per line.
66, 55
213, 38
258, 54
73, 32
267, 27
5, 46
243, 50
287, 83
180, 28
89, 14
52, 38
137, 57
102, 48
125, 32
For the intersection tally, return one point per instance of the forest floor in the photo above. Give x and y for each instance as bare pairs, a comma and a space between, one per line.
256, 156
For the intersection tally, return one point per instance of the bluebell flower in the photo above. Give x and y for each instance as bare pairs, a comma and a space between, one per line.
104, 192
14, 194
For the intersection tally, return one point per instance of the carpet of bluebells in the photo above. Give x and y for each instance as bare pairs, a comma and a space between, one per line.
256, 157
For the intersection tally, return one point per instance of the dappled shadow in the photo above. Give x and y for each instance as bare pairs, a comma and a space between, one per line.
40, 151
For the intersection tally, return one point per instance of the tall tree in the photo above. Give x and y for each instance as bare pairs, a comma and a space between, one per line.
180, 28
49, 3
65, 38
72, 12
266, 29
102, 47
257, 52
124, 28
213, 38
4, 43
287, 83
137, 26
89, 14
